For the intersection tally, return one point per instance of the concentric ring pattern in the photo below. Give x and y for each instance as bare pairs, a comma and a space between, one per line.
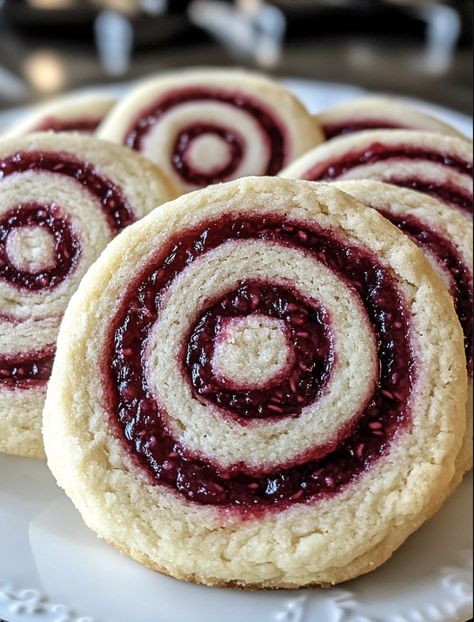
440, 166
374, 113
253, 380
61, 203
442, 234
205, 127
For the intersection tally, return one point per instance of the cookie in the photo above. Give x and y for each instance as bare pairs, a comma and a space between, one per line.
376, 113
209, 126
440, 166
79, 112
63, 197
262, 384
442, 233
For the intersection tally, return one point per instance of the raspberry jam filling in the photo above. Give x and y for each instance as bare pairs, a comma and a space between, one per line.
333, 169
307, 325
139, 419
446, 193
269, 128
184, 167
33, 369
118, 212
85, 125
26, 370
450, 260
66, 246
350, 127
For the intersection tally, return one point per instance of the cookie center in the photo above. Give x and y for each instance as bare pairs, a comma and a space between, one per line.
208, 153
251, 350
31, 249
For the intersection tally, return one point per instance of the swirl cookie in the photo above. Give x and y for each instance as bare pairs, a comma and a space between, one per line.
62, 199
204, 127
80, 113
442, 234
261, 384
376, 113
440, 166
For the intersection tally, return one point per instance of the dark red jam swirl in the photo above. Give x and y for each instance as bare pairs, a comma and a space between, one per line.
377, 152
189, 172
26, 370
450, 260
84, 125
140, 420
271, 131
67, 248
115, 207
23, 371
307, 325
341, 128
447, 193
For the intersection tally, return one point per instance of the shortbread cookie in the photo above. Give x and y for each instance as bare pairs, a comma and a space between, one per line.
440, 166
375, 113
442, 233
80, 112
62, 199
204, 127
261, 384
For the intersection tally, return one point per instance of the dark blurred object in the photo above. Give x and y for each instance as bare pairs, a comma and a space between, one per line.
153, 21
420, 48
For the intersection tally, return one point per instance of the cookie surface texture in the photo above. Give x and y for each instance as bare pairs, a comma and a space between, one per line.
209, 126
262, 384
438, 165
62, 199
441, 232
378, 113
81, 113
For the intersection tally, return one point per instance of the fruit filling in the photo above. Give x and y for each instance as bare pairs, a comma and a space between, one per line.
115, 207
270, 130
23, 230
450, 260
140, 421
85, 125
342, 128
26, 370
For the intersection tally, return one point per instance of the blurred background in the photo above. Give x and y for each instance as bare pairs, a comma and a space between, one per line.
419, 48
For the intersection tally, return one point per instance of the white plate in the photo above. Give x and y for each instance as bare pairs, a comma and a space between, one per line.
53, 569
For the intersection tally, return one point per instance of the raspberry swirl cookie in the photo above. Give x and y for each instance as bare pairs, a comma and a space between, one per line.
62, 199
204, 127
80, 113
261, 384
440, 166
378, 113
442, 233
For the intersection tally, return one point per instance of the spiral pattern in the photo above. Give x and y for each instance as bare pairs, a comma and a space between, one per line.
442, 234
378, 113
440, 166
141, 392
254, 395
60, 205
79, 113
30, 222
209, 127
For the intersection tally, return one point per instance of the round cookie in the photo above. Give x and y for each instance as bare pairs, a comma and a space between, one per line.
78, 112
63, 197
190, 442
440, 166
374, 113
442, 233
209, 126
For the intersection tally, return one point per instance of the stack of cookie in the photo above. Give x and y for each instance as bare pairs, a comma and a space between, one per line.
261, 383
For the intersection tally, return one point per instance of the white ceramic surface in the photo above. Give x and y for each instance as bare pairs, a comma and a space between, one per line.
53, 569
